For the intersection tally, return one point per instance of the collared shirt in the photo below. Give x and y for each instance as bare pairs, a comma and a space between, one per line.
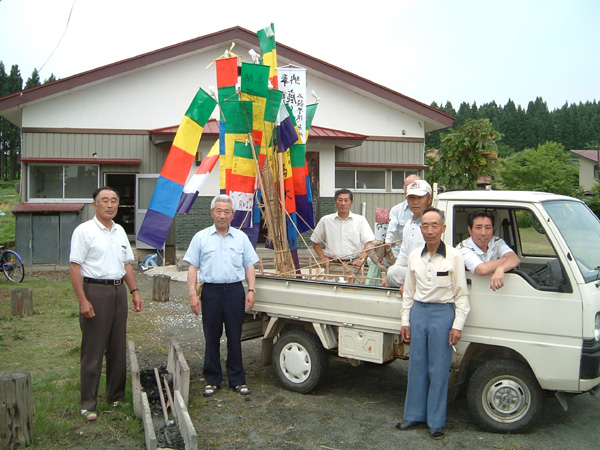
437, 278
399, 216
344, 238
101, 253
412, 238
474, 256
221, 259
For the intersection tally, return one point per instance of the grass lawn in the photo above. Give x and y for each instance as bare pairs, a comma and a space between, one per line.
8, 199
47, 345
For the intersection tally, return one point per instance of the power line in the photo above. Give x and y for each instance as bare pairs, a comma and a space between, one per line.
61, 38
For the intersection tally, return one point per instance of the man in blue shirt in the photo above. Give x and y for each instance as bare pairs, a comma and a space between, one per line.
225, 257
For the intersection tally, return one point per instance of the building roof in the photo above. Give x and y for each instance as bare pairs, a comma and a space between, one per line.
9, 105
592, 155
212, 129
46, 207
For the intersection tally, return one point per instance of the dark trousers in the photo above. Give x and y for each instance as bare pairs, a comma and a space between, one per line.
104, 334
429, 363
223, 304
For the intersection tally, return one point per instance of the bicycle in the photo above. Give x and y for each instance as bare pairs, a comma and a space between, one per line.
12, 266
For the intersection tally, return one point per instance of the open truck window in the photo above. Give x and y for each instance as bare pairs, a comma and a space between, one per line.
526, 234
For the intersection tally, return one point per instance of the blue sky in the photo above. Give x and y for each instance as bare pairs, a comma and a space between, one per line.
430, 50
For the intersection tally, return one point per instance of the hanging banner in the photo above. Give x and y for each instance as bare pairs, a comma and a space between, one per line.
292, 81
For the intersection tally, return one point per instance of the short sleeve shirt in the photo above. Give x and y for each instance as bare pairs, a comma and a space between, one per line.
344, 238
474, 256
221, 259
101, 253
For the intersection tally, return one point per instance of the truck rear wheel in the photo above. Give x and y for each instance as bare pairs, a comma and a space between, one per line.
300, 361
504, 396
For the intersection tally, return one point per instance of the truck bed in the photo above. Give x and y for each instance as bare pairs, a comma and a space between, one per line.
346, 305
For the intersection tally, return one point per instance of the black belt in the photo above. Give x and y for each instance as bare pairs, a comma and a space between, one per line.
105, 282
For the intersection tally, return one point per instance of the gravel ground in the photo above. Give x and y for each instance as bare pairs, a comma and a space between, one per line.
356, 408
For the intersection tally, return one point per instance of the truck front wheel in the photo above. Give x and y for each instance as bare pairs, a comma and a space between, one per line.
504, 396
300, 361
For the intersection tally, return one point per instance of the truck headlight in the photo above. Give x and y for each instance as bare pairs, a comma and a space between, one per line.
597, 327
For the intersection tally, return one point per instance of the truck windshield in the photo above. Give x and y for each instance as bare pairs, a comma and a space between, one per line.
581, 230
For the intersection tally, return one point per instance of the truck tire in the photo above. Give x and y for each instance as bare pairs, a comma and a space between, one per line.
300, 361
504, 396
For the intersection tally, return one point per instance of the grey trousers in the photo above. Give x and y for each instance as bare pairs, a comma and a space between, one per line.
104, 334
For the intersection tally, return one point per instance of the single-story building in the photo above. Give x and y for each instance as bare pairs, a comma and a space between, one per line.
114, 125
588, 168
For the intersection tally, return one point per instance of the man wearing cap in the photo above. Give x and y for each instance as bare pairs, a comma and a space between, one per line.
399, 216
419, 197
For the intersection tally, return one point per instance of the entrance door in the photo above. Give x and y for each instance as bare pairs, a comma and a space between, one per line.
124, 184
145, 188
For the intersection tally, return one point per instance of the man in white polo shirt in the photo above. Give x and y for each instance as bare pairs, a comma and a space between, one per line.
100, 265
345, 234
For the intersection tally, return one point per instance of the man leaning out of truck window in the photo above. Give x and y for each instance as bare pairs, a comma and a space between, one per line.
485, 253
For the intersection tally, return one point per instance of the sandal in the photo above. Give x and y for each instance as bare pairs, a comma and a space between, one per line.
436, 433
242, 389
209, 390
88, 415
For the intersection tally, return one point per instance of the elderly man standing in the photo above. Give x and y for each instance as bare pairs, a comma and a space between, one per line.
435, 306
418, 197
100, 260
224, 256
346, 234
485, 253
399, 216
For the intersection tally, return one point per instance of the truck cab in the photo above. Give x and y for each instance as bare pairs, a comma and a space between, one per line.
541, 331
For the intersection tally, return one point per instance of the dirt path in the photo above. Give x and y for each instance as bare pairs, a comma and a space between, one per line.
356, 408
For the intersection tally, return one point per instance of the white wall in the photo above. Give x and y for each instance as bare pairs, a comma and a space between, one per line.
158, 96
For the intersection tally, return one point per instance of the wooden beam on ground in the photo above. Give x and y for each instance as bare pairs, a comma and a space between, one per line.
136, 385
151, 442
178, 367
186, 427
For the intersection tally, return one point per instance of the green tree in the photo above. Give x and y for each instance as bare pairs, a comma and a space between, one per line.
34, 80
593, 201
547, 168
466, 154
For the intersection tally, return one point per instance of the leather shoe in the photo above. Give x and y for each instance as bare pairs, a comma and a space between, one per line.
436, 433
408, 424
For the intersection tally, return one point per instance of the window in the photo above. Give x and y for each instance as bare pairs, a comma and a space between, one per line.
57, 182
398, 177
372, 179
360, 179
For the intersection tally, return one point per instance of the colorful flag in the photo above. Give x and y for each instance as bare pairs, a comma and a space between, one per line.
173, 175
266, 39
305, 216
195, 184
286, 132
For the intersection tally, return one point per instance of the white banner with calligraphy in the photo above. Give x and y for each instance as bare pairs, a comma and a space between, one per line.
292, 81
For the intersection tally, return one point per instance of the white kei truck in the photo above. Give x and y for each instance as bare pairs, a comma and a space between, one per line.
539, 334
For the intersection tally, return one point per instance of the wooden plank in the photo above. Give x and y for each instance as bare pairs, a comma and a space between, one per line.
186, 427
151, 442
178, 367
136, 385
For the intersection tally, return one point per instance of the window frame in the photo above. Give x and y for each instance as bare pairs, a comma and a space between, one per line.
63, 199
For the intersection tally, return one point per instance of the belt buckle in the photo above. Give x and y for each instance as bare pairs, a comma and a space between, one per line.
118, 282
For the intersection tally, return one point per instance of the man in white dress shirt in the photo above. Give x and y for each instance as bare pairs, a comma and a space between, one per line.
345, 234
